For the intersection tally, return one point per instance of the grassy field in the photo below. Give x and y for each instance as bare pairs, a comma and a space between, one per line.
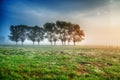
59, 63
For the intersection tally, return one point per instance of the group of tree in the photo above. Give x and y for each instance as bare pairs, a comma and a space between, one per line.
60, 30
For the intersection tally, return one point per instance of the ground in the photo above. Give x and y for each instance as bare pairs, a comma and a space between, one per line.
59, 63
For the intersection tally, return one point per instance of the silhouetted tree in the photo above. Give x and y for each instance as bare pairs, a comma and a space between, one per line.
51, 32
62, 29
32, 33
77, 34
40, 34
23, 31
14, 34
69, 32
55, 38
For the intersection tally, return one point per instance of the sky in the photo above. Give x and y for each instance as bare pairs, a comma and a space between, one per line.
100, 19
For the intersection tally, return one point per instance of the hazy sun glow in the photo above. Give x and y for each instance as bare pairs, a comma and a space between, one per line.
104, 27
99, 19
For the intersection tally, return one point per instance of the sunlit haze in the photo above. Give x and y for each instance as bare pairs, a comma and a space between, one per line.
100, 19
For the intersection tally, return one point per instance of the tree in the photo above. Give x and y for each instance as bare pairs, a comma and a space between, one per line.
70, 30
14, 34
51, 32
40, 34
32, 33
55, 38
23, 31
77, 33
62, 29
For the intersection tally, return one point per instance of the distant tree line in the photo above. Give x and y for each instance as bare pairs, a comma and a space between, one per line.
60, 30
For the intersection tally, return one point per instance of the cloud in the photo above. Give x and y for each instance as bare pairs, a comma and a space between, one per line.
61, 6
67, 5
94, 16
40, 11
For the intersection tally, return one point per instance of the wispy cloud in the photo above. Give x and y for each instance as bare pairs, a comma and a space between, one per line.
98, 18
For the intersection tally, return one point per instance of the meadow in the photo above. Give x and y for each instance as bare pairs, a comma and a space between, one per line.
59, 63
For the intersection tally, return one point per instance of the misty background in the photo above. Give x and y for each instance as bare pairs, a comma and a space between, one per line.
100, 19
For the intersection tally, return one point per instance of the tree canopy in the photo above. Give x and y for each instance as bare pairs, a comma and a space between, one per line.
59, 31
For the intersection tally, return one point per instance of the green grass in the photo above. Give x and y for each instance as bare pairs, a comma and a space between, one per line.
59, 63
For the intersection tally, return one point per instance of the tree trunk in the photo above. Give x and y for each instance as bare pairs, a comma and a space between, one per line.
38, 42
51, 42
74, 43
68, 43
62, 42
22, 42
33, 42
16, 42
54, 42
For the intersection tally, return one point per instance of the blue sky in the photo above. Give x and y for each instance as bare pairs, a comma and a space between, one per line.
94, 16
